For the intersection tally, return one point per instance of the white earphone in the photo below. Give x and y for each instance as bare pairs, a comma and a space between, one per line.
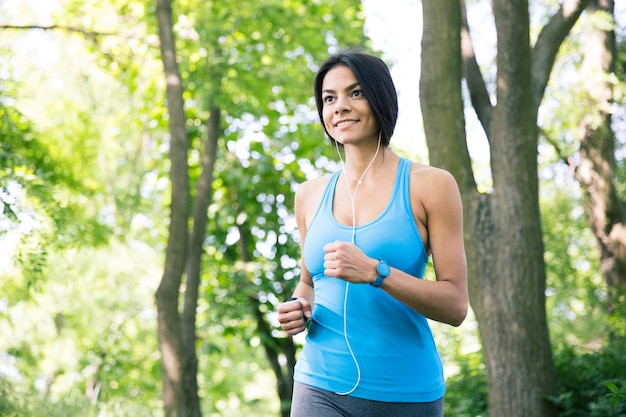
345, 298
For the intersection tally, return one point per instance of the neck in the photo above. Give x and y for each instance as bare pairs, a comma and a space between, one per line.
359, 164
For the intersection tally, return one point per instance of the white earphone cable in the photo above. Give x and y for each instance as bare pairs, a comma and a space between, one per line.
345, 336
345, 298
353, 195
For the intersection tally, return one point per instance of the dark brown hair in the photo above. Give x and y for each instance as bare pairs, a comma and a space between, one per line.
375, 79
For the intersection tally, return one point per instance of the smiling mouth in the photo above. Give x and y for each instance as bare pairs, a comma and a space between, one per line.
346, 123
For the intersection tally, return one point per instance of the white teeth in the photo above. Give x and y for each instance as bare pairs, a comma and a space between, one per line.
347, 122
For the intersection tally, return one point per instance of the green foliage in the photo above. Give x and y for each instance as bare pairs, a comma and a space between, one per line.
256, 63
83, 156
466, 394
615, 395
44, 194
89, 330
234, 378
576, 306
42, 201
15, 401
591, 384
18, 402
574, 284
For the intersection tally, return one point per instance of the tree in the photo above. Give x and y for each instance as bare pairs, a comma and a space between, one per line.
169, 327
596, 170
503, 230
79, 177
252, 75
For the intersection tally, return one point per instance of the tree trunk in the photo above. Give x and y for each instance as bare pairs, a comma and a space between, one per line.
503, 230
596, 169
194, 262
521, 374
169, 331
274, 347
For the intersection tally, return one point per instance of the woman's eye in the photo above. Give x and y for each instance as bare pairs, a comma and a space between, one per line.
357, 93
327, 99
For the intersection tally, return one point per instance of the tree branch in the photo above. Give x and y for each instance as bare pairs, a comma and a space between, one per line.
88, 33
91, 34
564, 157
479, 95
548, 43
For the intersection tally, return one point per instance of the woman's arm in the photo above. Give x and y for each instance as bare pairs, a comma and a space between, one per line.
294, 314
439, 214
437, 205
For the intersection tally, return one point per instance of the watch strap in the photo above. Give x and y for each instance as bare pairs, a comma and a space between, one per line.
382, 269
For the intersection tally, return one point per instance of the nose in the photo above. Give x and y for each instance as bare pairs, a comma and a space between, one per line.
341, 105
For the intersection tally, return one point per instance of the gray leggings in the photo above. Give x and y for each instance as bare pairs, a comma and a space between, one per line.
312, 402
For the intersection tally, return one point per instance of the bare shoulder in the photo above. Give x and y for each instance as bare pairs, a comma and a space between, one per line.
308, 196
424, 175
432, 186
312, 188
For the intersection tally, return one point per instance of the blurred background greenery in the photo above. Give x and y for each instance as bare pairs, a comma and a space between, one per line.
84, 197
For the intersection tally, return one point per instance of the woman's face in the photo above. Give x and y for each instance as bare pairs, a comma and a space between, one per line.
347, 114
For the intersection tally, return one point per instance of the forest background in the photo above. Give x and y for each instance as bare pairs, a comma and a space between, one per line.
85, 151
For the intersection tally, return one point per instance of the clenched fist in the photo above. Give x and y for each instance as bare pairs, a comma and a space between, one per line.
293, 315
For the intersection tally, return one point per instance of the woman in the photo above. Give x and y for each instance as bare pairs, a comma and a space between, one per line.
367, 233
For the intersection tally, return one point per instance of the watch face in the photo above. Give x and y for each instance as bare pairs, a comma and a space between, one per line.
383, 268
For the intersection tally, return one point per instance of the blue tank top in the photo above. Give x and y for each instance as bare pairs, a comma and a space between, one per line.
361, 341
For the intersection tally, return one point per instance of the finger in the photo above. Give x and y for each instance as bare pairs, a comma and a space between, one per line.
328, 263
291, 316
289, 306
295, 331
330, 247
302, 304
294, 326
307, 311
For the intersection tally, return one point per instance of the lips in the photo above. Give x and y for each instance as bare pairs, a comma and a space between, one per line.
344, 123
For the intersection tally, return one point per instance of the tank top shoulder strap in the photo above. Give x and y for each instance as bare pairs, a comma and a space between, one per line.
325, 207
329, 191
403, 189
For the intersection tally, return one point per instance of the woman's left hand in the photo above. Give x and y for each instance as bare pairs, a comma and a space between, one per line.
344, 260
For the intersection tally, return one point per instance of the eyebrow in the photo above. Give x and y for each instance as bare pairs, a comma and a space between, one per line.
350, 87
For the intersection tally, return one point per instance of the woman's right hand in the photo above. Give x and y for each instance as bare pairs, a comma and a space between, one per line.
294, 314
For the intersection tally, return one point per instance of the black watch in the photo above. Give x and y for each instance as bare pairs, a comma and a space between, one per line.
383, 272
